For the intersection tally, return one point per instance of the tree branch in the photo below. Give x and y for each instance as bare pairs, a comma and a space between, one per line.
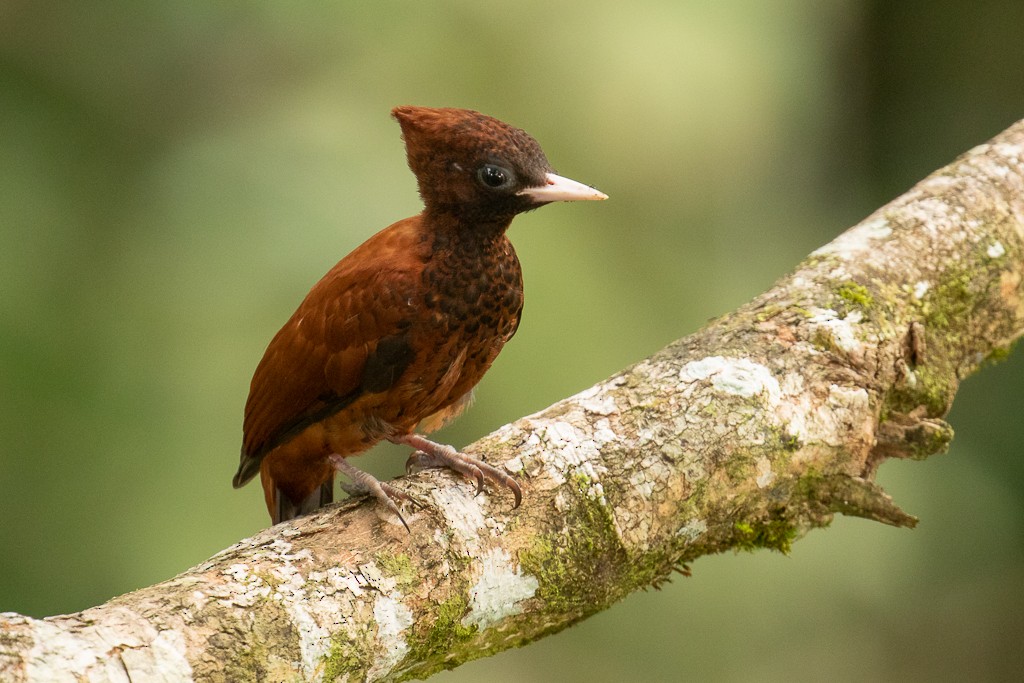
747, 434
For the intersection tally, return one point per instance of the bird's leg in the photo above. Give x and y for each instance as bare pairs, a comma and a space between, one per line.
364, 482
431, 454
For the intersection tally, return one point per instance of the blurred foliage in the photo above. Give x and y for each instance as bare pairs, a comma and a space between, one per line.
174, 177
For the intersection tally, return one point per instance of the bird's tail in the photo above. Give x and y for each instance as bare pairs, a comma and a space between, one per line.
282, 508
247, 469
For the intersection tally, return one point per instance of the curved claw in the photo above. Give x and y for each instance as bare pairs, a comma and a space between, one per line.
418, 460
366, 483
517, 492
430, 454
505, 479
479, 476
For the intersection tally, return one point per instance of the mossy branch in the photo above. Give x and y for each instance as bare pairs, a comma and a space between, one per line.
745, 435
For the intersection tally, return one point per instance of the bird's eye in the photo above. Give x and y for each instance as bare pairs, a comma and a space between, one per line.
494, 177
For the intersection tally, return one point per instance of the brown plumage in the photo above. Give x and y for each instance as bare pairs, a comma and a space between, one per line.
396, 334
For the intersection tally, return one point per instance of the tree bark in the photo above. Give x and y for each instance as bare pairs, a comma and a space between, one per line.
744, 435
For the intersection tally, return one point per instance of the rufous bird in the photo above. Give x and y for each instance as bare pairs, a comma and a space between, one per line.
397, 334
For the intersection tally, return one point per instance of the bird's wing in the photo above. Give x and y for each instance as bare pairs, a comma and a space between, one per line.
345, 339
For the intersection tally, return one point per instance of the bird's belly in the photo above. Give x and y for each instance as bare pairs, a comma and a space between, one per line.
440, 376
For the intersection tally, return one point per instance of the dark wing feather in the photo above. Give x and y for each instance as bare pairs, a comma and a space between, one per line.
326, 355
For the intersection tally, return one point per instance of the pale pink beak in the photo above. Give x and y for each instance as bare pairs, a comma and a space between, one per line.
559, 189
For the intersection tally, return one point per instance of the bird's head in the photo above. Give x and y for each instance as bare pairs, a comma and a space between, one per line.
476, 167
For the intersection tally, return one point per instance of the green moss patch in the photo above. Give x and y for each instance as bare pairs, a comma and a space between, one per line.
855, 295
774, 534
399, 567
583, 568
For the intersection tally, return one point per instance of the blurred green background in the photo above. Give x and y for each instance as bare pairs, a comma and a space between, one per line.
175, 176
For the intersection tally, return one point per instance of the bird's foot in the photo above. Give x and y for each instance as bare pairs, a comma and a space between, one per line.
364, 483
431, 454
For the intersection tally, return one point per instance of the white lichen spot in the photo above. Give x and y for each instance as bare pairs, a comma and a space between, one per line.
244, 589
853, 400
594, 489
934, 215
996, 250
376, 579
499, 590
392, 618
795, 413
284, 550
567, 449
1009, 149
978, 150
504, 433
737, 376
292, 593
1001, 170
841, 330
603, 433
314, 640
877, 228
857, 239
122, 645
693, 529
921, 288
238, 572
564, 432
163, 660
672, 449
515, 463
599, 405
939, 184
199, 600
338, 580
641, 484
462, 511
792, 384
822, 315
702, 369
830, 423
765, 475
